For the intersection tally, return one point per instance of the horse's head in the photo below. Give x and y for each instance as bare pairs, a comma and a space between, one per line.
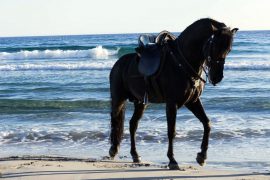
206, 42
216, 49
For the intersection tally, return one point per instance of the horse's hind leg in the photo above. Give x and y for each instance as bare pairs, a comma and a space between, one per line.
117, 125
133, 125
197, 109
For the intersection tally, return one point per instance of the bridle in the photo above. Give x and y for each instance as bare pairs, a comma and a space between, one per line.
208, 56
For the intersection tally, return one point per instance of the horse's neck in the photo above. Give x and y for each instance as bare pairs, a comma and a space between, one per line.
193, 49
193, 39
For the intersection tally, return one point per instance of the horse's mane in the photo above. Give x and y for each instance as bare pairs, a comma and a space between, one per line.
199, 26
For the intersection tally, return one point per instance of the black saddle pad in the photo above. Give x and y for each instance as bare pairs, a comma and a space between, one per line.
150, 60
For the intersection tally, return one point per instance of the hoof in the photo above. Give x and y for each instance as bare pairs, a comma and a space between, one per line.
137, 159
174, 166
113, 151
200, 159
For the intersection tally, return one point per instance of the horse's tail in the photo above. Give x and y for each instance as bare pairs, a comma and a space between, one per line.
117, 124
118, 99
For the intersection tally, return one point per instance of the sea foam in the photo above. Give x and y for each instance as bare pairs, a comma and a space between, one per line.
252, 65
108, 63
58, 66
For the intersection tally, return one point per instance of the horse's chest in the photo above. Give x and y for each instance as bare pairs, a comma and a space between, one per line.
195, 91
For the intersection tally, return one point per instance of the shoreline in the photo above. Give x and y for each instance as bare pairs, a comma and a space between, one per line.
58, 168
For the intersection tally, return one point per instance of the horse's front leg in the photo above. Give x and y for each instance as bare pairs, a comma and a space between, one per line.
171, 110
197, 109
133, 125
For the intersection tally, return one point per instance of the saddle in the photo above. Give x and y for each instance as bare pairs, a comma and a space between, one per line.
150, 51
150, 60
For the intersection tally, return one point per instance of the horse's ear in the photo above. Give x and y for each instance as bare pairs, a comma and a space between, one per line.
217, 31
234, 30
214, 28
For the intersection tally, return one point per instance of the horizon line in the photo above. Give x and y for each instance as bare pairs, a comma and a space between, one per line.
94, 34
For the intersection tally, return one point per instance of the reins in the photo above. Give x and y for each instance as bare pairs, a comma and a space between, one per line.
195, 75
207, 56
207, 52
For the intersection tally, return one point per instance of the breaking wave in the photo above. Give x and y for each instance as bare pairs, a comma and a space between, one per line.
98, 53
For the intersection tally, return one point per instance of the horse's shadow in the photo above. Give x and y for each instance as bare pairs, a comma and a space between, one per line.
91, 174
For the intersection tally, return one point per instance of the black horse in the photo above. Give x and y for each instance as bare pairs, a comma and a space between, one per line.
203, 45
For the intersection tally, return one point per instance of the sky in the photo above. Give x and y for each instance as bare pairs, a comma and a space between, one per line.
65, 17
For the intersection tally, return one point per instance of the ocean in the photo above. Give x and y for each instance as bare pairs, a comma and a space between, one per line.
55, 100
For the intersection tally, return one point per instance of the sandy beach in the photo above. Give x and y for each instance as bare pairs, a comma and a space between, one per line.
57, 168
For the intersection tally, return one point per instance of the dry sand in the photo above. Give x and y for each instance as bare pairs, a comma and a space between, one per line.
53, 168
